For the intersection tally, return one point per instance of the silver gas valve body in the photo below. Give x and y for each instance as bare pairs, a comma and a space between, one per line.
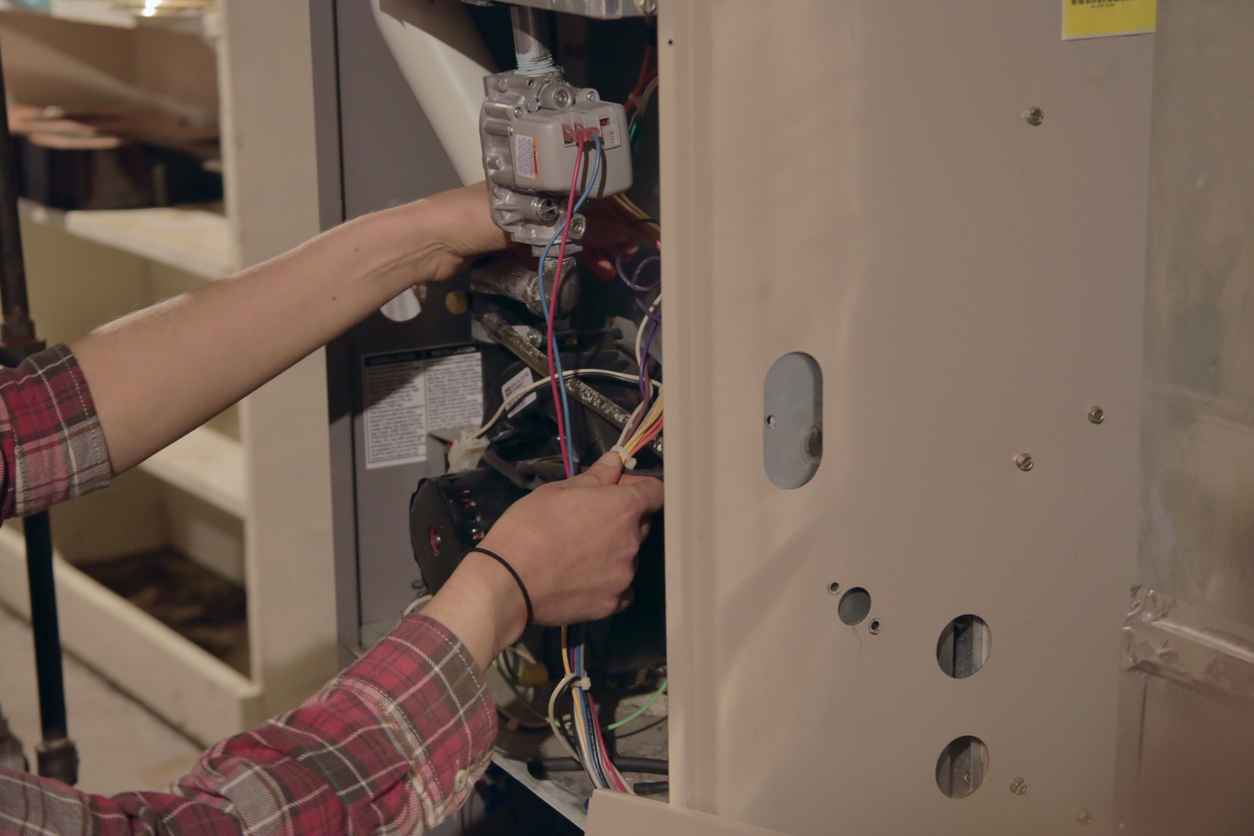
530, 128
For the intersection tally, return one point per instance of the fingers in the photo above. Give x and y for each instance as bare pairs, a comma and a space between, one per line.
607, 471
649, 492
625, 600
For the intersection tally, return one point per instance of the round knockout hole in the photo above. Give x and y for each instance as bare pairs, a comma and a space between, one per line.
854, 606
963, 646
961, 767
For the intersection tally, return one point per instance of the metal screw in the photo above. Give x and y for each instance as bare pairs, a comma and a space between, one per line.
646, 7
1097, 415
518, 111
1025, 462
1019, 786
578, 227
1034, 116
874, 627
562, 98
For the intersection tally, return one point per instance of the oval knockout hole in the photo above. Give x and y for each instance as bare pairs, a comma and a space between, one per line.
793, 427
961, 767
854, 606
964, 646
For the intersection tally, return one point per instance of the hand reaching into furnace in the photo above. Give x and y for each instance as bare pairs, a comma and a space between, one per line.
573, 543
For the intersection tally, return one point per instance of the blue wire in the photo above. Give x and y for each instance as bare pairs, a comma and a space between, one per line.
594, 172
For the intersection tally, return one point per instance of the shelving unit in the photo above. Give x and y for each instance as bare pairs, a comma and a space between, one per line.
247, 495
190, 238
104, 13
208, 465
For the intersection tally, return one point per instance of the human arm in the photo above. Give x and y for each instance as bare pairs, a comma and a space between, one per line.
397, 740
217, 344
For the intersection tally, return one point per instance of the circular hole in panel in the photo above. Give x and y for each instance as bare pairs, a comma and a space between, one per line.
854, 606
833, 587
961, 767
874, 627
963, 646
770, 420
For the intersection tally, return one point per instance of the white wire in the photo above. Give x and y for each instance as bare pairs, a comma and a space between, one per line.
634, 421
557, 729
645, 97
513, 400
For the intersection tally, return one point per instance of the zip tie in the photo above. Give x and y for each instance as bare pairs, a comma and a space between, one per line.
629, 461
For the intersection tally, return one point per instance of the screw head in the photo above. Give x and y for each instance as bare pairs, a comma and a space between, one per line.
562, 98
1019, 787
1097, 415
518, 111
1025, 462
1034, 116
647, 7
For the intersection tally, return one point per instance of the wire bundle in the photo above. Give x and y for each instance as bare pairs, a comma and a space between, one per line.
592, 751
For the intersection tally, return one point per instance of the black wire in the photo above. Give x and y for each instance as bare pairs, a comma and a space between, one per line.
540, 767
651, 787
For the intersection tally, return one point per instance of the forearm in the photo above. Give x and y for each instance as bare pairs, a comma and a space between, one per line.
482, 606
160, 372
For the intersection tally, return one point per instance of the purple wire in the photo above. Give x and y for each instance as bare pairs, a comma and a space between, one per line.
634, 282
652, 323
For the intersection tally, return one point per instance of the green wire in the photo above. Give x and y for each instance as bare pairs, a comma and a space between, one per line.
645, 706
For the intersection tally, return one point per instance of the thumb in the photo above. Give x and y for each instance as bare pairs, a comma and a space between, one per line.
607, 471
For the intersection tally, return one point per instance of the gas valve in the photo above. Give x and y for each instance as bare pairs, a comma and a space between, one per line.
531, 128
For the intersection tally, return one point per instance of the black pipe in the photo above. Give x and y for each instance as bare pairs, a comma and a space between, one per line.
540, 767
17, 332
56, 754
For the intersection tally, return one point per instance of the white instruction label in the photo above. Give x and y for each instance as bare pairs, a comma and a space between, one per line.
513, 386
407, 394
525, 162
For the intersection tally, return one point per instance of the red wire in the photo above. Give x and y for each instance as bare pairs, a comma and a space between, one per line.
642, 81
606, 764
647, 437
550, 325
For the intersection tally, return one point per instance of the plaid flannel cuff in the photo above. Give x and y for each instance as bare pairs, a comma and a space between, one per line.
58, 446
438, 702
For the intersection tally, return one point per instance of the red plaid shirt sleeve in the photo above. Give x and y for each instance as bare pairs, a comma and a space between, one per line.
51, 445
393, 745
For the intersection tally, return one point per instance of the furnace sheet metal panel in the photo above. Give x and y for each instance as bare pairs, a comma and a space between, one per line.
944, 204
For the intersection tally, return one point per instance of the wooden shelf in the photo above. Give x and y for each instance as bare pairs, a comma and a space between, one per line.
103, 13
195, 239
200, 695
206, 464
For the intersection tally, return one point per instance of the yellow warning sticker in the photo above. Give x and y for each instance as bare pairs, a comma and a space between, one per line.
1107, 18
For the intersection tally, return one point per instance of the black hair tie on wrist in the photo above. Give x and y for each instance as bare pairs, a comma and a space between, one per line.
531, 613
